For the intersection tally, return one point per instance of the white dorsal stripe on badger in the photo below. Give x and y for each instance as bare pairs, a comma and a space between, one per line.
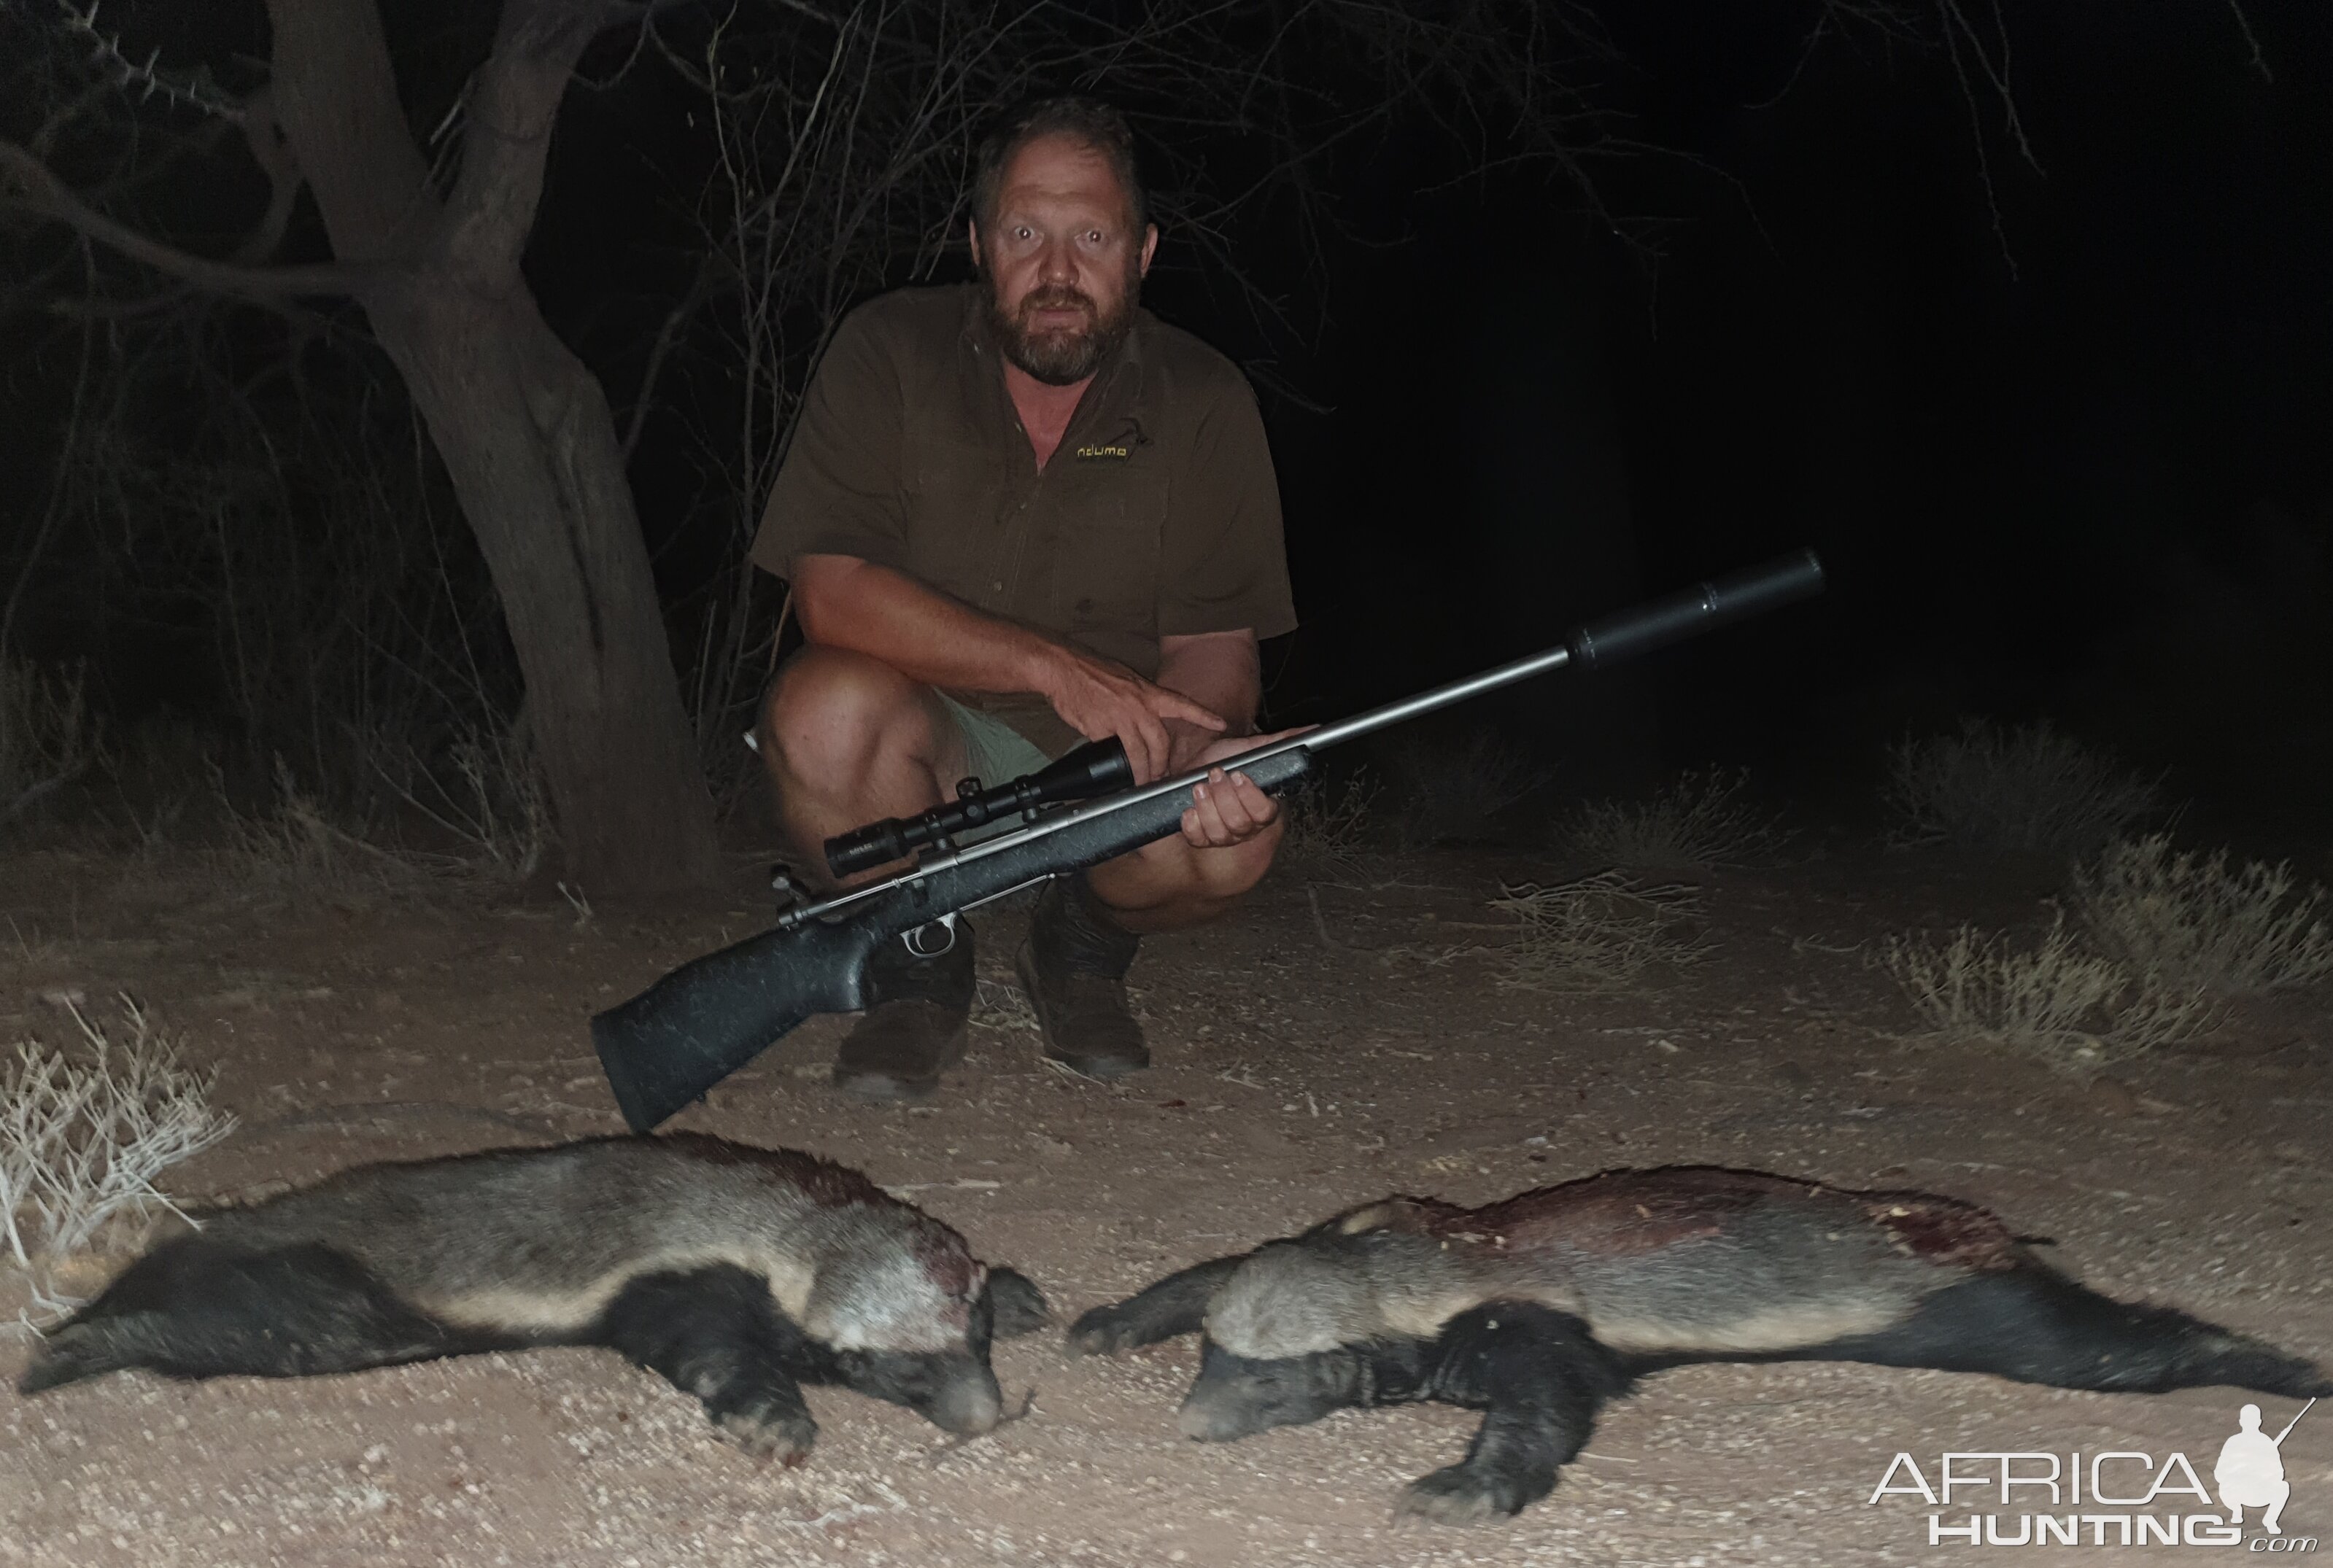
1290, 1299
543, 1241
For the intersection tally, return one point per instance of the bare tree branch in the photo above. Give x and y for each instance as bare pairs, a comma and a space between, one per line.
41, 192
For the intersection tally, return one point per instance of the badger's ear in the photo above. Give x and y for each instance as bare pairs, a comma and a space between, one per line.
1015, 1304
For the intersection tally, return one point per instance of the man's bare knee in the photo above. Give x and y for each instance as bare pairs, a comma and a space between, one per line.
830, 714
1172, 884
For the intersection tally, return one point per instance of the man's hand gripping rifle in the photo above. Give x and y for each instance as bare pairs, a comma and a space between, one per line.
668, 1046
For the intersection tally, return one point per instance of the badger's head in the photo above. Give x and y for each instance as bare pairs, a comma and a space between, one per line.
1291, 1337
911, 1321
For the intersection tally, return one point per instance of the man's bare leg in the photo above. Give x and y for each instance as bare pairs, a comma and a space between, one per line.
847, 740
1175, 883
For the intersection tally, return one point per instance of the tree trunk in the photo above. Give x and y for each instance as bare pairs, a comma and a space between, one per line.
524, 428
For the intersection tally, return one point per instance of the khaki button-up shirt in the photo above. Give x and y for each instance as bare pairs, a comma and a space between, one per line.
1157, 516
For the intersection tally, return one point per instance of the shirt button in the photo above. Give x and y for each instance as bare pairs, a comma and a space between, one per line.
996, 588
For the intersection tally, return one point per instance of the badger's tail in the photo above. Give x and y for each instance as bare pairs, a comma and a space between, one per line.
193, 1308
2037, 1326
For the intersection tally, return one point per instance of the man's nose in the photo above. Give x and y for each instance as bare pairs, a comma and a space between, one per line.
1056, 263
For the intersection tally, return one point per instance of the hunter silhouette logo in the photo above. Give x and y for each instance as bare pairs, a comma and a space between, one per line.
2114, 1497
2251, 1471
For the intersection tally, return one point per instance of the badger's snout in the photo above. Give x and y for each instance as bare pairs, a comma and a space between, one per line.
966, 1404
1219, 1413
1236, 1397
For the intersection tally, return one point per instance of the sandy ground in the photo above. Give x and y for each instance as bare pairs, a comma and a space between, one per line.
1307, 1061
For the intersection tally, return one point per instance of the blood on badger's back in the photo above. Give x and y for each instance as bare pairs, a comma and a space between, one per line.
1704, 1263
1717, 1261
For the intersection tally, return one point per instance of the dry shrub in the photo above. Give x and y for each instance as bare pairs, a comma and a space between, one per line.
2076, 1008
1327, 824
48, 737
1599, 933
1989, 790
489, 798
294, 851
1455, 794
83, 1136
2185, 921
1695, 822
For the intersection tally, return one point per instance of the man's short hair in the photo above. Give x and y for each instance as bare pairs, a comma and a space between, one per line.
1083, 120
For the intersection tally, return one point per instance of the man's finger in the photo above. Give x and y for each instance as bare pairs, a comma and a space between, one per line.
1262, 809
1230, 813
1150, 758
1169, 704
1206, 811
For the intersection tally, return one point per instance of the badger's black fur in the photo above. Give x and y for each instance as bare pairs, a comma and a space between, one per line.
737, 1272
1537, 1309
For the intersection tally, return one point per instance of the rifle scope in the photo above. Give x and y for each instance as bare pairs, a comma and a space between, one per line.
1096, 768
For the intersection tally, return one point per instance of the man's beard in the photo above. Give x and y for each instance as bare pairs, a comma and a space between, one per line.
1053, 356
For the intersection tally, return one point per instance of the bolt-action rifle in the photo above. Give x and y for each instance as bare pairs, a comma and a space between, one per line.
671, 1043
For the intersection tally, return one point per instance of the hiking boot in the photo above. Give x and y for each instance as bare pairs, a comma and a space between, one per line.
1073, 967
913, 1029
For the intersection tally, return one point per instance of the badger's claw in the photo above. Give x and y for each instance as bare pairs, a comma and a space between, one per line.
770, 1429
1460, 1495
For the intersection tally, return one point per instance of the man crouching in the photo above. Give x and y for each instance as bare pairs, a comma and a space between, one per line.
1018, 513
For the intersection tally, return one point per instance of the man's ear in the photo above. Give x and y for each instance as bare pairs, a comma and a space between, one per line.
1150, 246
971, 234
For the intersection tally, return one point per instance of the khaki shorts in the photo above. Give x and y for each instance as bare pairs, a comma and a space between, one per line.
994, 751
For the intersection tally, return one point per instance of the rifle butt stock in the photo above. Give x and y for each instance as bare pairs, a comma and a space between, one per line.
710, 1016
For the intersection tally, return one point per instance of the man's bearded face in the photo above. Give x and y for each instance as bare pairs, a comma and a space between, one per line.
1040, 337
1063, 262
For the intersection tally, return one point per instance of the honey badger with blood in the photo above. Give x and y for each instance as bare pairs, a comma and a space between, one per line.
1537, 1309
737, 1272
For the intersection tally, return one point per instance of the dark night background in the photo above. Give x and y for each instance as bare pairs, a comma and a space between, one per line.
2068, 459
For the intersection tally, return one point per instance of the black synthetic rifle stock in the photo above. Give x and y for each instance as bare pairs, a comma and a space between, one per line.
675, 1040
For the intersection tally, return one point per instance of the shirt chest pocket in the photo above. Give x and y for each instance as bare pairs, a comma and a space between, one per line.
1103, 548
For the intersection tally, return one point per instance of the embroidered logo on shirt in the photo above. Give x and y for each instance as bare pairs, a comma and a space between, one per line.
1119, 449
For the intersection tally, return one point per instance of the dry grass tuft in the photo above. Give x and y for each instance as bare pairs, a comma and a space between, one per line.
493, 804
1599, 933
1989, 790
2184, 921
2078, 1008
296, 851
84, 1134
1695, 822
1455, 795
1328, 826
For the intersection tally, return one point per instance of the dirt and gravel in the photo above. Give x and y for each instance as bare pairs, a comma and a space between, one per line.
1332, 1042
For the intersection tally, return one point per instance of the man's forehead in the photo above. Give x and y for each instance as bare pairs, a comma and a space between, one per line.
1061, 171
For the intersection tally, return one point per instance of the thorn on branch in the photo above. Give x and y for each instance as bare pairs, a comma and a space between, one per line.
194, 89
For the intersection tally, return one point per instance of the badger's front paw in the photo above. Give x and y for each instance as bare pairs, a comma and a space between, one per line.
769, 1429
1105, 1331
1461, 1495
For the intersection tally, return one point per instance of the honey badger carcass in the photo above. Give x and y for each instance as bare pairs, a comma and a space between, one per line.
737, 1272
1537, 1309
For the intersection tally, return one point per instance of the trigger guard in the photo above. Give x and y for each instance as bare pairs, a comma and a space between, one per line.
947, 921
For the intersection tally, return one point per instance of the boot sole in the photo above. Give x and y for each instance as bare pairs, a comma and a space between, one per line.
1103, 1069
